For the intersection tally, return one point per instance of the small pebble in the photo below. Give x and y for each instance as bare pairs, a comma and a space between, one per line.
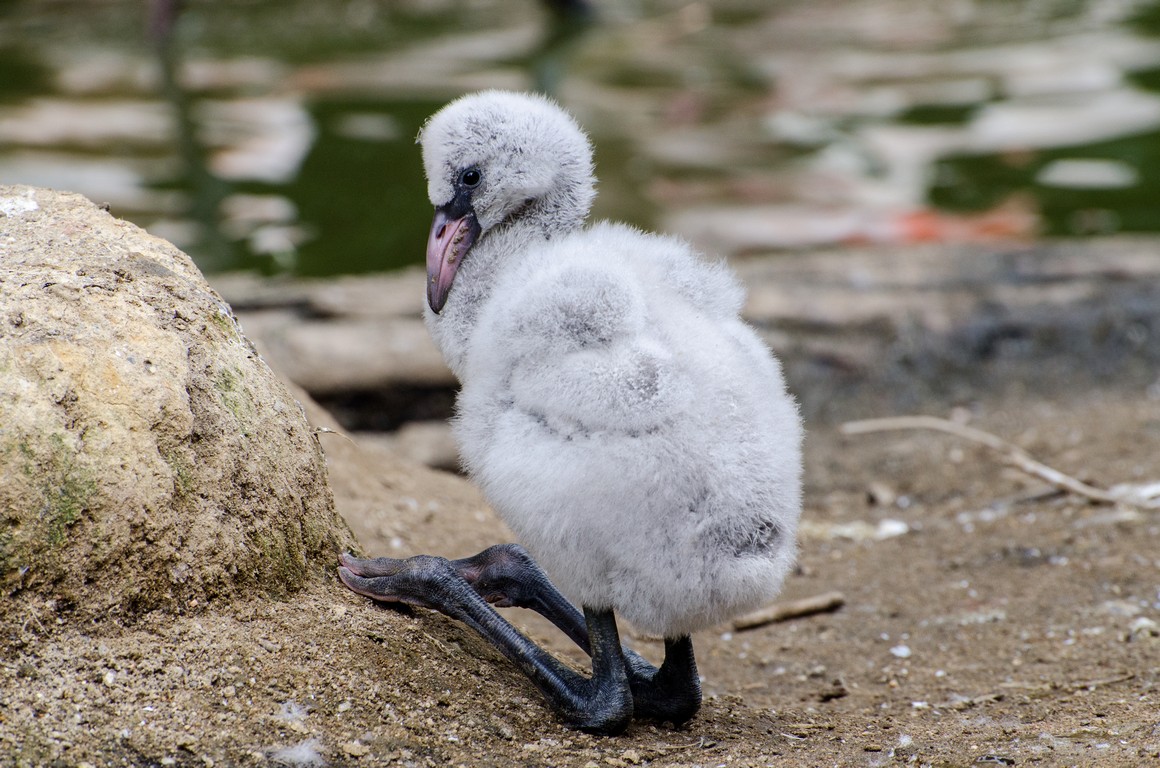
900, 651
880, 494
355, 749
890, 528
1143, 627
630, 756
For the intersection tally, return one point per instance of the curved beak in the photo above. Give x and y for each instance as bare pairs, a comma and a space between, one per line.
450, 240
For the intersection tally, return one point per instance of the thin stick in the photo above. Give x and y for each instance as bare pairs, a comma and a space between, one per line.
795, 609
1011, 453
1079, 685
329, 431
1091, 685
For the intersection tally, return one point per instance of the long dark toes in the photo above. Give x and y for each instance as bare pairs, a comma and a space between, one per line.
369, 568
376, 588
352, 580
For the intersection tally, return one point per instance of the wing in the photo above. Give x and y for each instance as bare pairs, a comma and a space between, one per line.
585, 360
708, 285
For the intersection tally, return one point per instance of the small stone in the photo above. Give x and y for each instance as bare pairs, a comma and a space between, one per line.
837, 690
345, 706
1143, 627
110, 678
900, 651
630, 756
880, 494
355, 749
890, 528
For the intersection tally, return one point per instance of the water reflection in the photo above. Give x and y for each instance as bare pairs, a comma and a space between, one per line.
315, 187
569, 21
285, 140
362, 188
206, 191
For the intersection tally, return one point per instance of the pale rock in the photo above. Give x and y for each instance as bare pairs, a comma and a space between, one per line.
149, 459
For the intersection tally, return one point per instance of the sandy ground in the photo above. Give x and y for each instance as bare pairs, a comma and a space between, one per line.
1007, 625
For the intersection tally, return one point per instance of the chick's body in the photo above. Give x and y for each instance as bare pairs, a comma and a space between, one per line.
630, 428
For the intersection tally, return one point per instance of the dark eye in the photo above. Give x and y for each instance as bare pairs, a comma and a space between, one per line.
471, 177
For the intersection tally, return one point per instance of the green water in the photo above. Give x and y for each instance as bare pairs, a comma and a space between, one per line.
980, 183
364, 200
356, 195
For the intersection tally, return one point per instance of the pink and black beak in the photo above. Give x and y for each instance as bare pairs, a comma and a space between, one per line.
453, 232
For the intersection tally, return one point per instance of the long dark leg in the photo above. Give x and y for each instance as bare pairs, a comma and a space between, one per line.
601, 704
671, 693
507, 576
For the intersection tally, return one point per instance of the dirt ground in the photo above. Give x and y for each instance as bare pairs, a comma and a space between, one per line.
997, 629
987, 620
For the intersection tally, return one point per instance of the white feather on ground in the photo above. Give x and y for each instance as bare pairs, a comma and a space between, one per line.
304, 754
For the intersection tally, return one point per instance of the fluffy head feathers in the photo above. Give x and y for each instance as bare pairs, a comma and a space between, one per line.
528, 150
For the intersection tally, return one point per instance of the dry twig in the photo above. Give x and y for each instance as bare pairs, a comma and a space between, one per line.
823, 603
1145, 495
1071, 687
329, 431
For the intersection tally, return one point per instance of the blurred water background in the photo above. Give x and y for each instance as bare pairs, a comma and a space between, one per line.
278, 135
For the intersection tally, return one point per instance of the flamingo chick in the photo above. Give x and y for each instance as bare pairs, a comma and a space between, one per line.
614, 409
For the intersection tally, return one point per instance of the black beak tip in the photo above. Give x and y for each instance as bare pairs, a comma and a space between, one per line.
435, 302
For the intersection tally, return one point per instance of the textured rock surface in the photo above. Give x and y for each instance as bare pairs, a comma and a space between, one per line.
148, 457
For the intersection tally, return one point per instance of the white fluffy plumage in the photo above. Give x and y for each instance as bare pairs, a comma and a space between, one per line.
616, 411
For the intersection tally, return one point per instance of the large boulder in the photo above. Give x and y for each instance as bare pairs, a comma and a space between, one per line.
149, 458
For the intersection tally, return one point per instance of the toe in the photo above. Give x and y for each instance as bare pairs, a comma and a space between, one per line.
370, 568
375, 588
